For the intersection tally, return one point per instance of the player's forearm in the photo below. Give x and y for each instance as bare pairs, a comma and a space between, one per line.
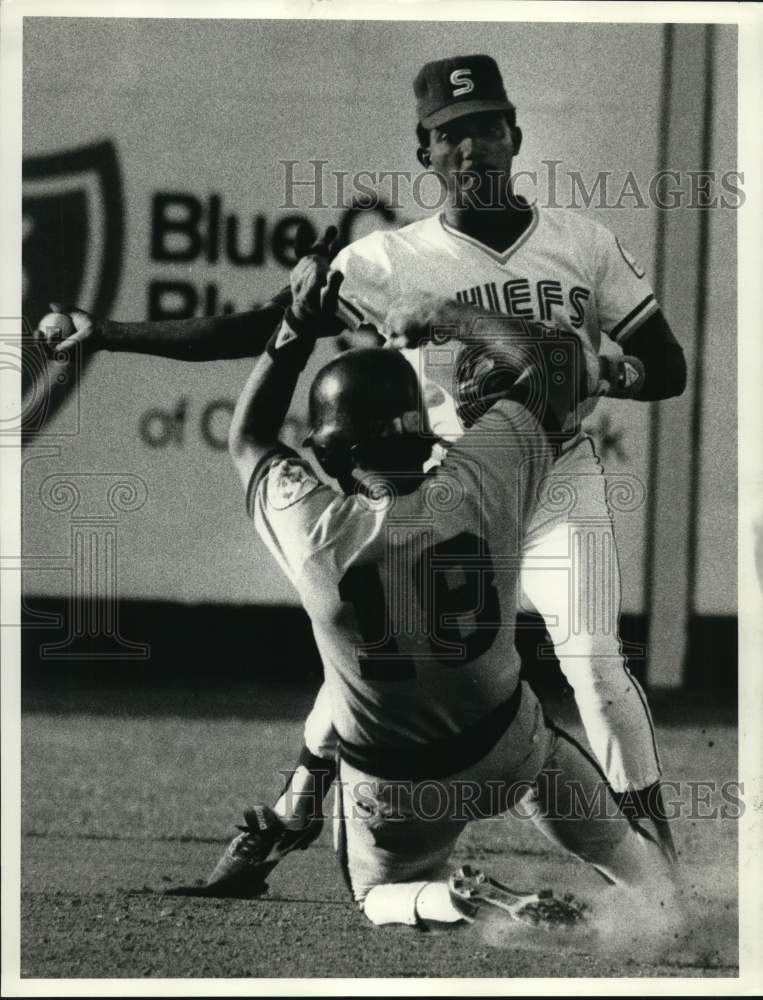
209, 338
664, 374
661, 358
265, 400
262, 407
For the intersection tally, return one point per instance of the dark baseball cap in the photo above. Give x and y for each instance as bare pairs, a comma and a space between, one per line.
450, 88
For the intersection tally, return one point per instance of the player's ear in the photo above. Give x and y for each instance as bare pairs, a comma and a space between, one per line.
424, 157
516, 137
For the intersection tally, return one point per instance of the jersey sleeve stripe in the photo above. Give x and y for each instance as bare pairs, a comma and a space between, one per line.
635, 317
261, 469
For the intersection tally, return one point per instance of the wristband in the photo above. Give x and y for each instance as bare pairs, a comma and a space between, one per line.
292, 343
621, 378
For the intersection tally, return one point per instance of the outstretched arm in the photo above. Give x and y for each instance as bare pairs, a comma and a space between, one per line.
58, 361
207, 338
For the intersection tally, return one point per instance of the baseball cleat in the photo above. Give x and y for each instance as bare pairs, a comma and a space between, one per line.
251, 856
471, 890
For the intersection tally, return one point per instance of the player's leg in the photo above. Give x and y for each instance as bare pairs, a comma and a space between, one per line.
396, 836
293, 823
295, 820
394, 839
539, 772
572, 804
571, 576
301, 800
467, 893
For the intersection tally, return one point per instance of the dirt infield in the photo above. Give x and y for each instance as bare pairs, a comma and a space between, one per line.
114, 809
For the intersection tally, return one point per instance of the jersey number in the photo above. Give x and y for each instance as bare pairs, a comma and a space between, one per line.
453, 580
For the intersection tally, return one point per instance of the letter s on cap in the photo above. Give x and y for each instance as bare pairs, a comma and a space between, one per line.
460, 78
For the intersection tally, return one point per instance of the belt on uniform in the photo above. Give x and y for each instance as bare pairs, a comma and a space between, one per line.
437, 758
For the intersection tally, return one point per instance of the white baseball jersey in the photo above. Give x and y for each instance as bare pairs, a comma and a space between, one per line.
413, 600
565, 271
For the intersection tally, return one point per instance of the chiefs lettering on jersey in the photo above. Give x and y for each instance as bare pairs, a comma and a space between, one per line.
566, 270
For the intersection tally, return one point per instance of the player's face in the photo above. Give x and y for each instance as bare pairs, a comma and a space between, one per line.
480, 144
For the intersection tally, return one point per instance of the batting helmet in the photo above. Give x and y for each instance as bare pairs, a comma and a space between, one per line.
366, 410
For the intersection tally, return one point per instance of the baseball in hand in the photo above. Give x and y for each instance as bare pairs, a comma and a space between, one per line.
56, 327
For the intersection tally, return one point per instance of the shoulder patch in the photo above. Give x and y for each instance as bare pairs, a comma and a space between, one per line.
289, 482
630, 260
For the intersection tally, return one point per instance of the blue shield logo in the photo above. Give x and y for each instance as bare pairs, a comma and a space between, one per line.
73, 230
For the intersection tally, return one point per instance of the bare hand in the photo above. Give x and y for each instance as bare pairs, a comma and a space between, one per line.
86, 330
327, 245
315, 291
